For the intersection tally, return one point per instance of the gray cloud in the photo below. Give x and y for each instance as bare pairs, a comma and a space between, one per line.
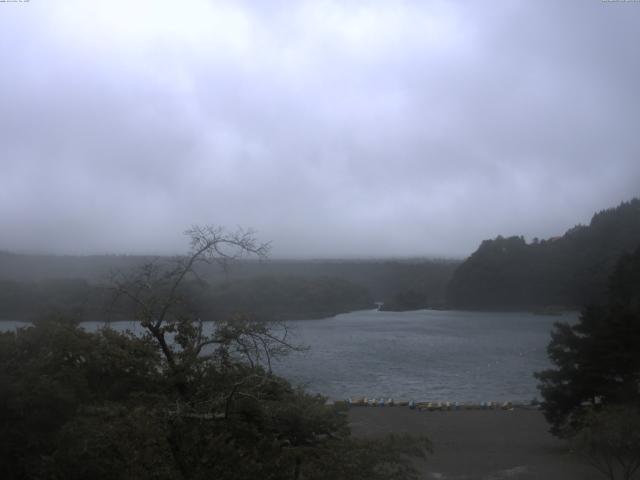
334, 129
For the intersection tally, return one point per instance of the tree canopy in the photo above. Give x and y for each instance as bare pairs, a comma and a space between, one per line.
567, 271
597, 360
186, 400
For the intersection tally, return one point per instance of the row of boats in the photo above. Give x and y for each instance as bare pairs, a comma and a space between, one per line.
429, 406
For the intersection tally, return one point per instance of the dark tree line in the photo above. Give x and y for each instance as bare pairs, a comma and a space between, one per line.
407, 300
568, 271
265, 297
286, 297
383, 279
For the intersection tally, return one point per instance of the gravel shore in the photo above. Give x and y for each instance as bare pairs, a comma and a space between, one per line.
479, 445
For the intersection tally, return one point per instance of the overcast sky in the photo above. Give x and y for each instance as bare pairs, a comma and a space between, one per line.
333, 128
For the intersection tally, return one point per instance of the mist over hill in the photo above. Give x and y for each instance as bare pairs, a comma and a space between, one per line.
504, 273
568, 271
33, 285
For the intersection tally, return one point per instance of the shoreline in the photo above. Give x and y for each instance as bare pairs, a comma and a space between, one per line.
439, 406
478, 444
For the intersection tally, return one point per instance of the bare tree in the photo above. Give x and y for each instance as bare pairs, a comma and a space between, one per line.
211, 366
156, 292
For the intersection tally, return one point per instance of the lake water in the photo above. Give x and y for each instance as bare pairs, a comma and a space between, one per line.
425, 355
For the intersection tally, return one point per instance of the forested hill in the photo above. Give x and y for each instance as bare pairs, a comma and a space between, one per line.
385, 279
567, 271
32, 285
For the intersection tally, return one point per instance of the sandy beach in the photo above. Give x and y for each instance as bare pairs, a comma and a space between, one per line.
479, 444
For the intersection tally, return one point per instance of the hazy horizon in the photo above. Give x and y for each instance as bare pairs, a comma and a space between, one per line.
336, 130
269, 257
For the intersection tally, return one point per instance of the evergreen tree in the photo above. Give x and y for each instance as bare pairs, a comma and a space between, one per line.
598, 359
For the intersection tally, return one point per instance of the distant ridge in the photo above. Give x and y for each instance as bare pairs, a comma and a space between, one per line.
34, 284
564, 272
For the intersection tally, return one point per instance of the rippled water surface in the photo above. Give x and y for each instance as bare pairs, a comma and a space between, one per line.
423, 355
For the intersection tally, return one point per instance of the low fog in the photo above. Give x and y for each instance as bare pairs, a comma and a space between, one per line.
334, 129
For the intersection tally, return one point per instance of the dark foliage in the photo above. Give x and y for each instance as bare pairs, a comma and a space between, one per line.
568, 271
285, 297
181, 401
104, 405
25, 279
609, 440
406, 300
267, 298
598, 359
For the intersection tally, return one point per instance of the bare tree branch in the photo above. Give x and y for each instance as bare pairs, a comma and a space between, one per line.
156, 294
